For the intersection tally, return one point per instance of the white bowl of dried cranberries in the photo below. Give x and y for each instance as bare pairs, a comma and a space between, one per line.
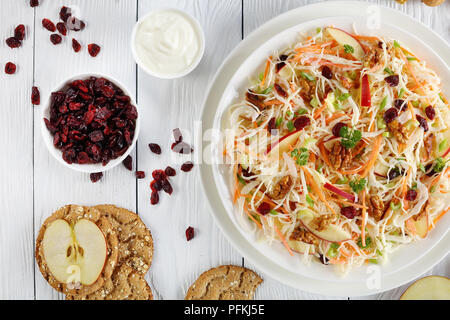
90, 123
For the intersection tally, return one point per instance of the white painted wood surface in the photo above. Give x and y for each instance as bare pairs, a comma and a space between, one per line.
33, 184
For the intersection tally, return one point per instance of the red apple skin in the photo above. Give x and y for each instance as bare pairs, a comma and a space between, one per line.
312, 231
362, 47
280, 141
365, 92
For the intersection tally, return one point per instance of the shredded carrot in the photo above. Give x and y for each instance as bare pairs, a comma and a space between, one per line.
316, 189
364, 220
273, 102
251, 217
373, 156
266, 71
411, 109
366, 38
439, 217
283, 240
409, 53
319, 111
349, 203
333, 117
236, 184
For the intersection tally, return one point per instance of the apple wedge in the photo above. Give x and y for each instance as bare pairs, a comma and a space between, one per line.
428, 288
418, 227
301, 247
74, 254
332, 233
343, 38
284, 144
366, 100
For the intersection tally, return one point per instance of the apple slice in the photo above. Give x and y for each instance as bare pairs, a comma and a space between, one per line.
366, 100
284, 144
428, 288
74, 253
418, 227
332, 233
330, 101
301, 247
343, 38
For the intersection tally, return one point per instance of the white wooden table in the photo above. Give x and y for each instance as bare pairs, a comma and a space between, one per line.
33, 184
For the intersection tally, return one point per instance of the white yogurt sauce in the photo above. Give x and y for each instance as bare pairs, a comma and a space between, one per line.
167, 42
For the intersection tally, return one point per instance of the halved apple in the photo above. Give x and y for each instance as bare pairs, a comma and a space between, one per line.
366, 100
343, 38
284, 144
428, 288
301, 247
332, 233
419, 227
74, 253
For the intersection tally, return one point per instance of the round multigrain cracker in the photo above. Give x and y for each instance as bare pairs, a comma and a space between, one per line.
125, 284
225, 283
135, 239
71, 214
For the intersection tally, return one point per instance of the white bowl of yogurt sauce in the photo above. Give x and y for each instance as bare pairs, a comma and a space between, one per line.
168, 43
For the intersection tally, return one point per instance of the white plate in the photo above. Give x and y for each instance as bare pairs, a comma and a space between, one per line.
244, 61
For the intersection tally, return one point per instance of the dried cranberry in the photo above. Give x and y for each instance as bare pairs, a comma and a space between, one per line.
186, 167
323, 259
128, 163
19, 32
75, 24
55, 38
13, 42
155, 148
302, 122
140, 174
177, 135
280, 91
349, 212
264, 208
65, 13
430, 112
159, 175
280, 65
96, 136
34, 3
49, 25
155, 185
94, 49
271, 125
411, 195
422, 122
182, 147
392, 80
326, 72
96, 176
400, 104
337, 129
166, 186
76, 45
61, 28
170, 172
10, 68
390, 115
154, 199
394, 173
35, 96
190, 233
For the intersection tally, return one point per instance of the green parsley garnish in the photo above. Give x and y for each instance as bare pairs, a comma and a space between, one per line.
350, 137
301, 156
309, 200
439, 164
348, 48
358, 185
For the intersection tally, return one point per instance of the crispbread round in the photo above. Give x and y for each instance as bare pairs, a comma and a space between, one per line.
125, 284
72, 213
135, 239
225, 283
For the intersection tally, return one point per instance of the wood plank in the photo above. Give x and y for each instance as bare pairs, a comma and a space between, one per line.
16, 162
170, 104
55, 185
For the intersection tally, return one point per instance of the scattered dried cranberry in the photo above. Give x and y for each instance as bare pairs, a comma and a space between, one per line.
154, 199
128, 163
55, 38
302, 122
13, 42
422, 122
326, 72
94, 49
349, 212
75, 24
280, 65
400, 104
34, 3
394, 173
35, 96
61, 28
76, 45
271, 125
10, 68
65, 13
186, 167
177, 135
155, 185
280, 91
159, 175
182, 148
337, 129
264, 208
411, 195
140, 174
166, 186
96, 176
430, 112
190, 233
390, 115
392, 80
323, 259
19, 32
49, 25
170, 172
155, 148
